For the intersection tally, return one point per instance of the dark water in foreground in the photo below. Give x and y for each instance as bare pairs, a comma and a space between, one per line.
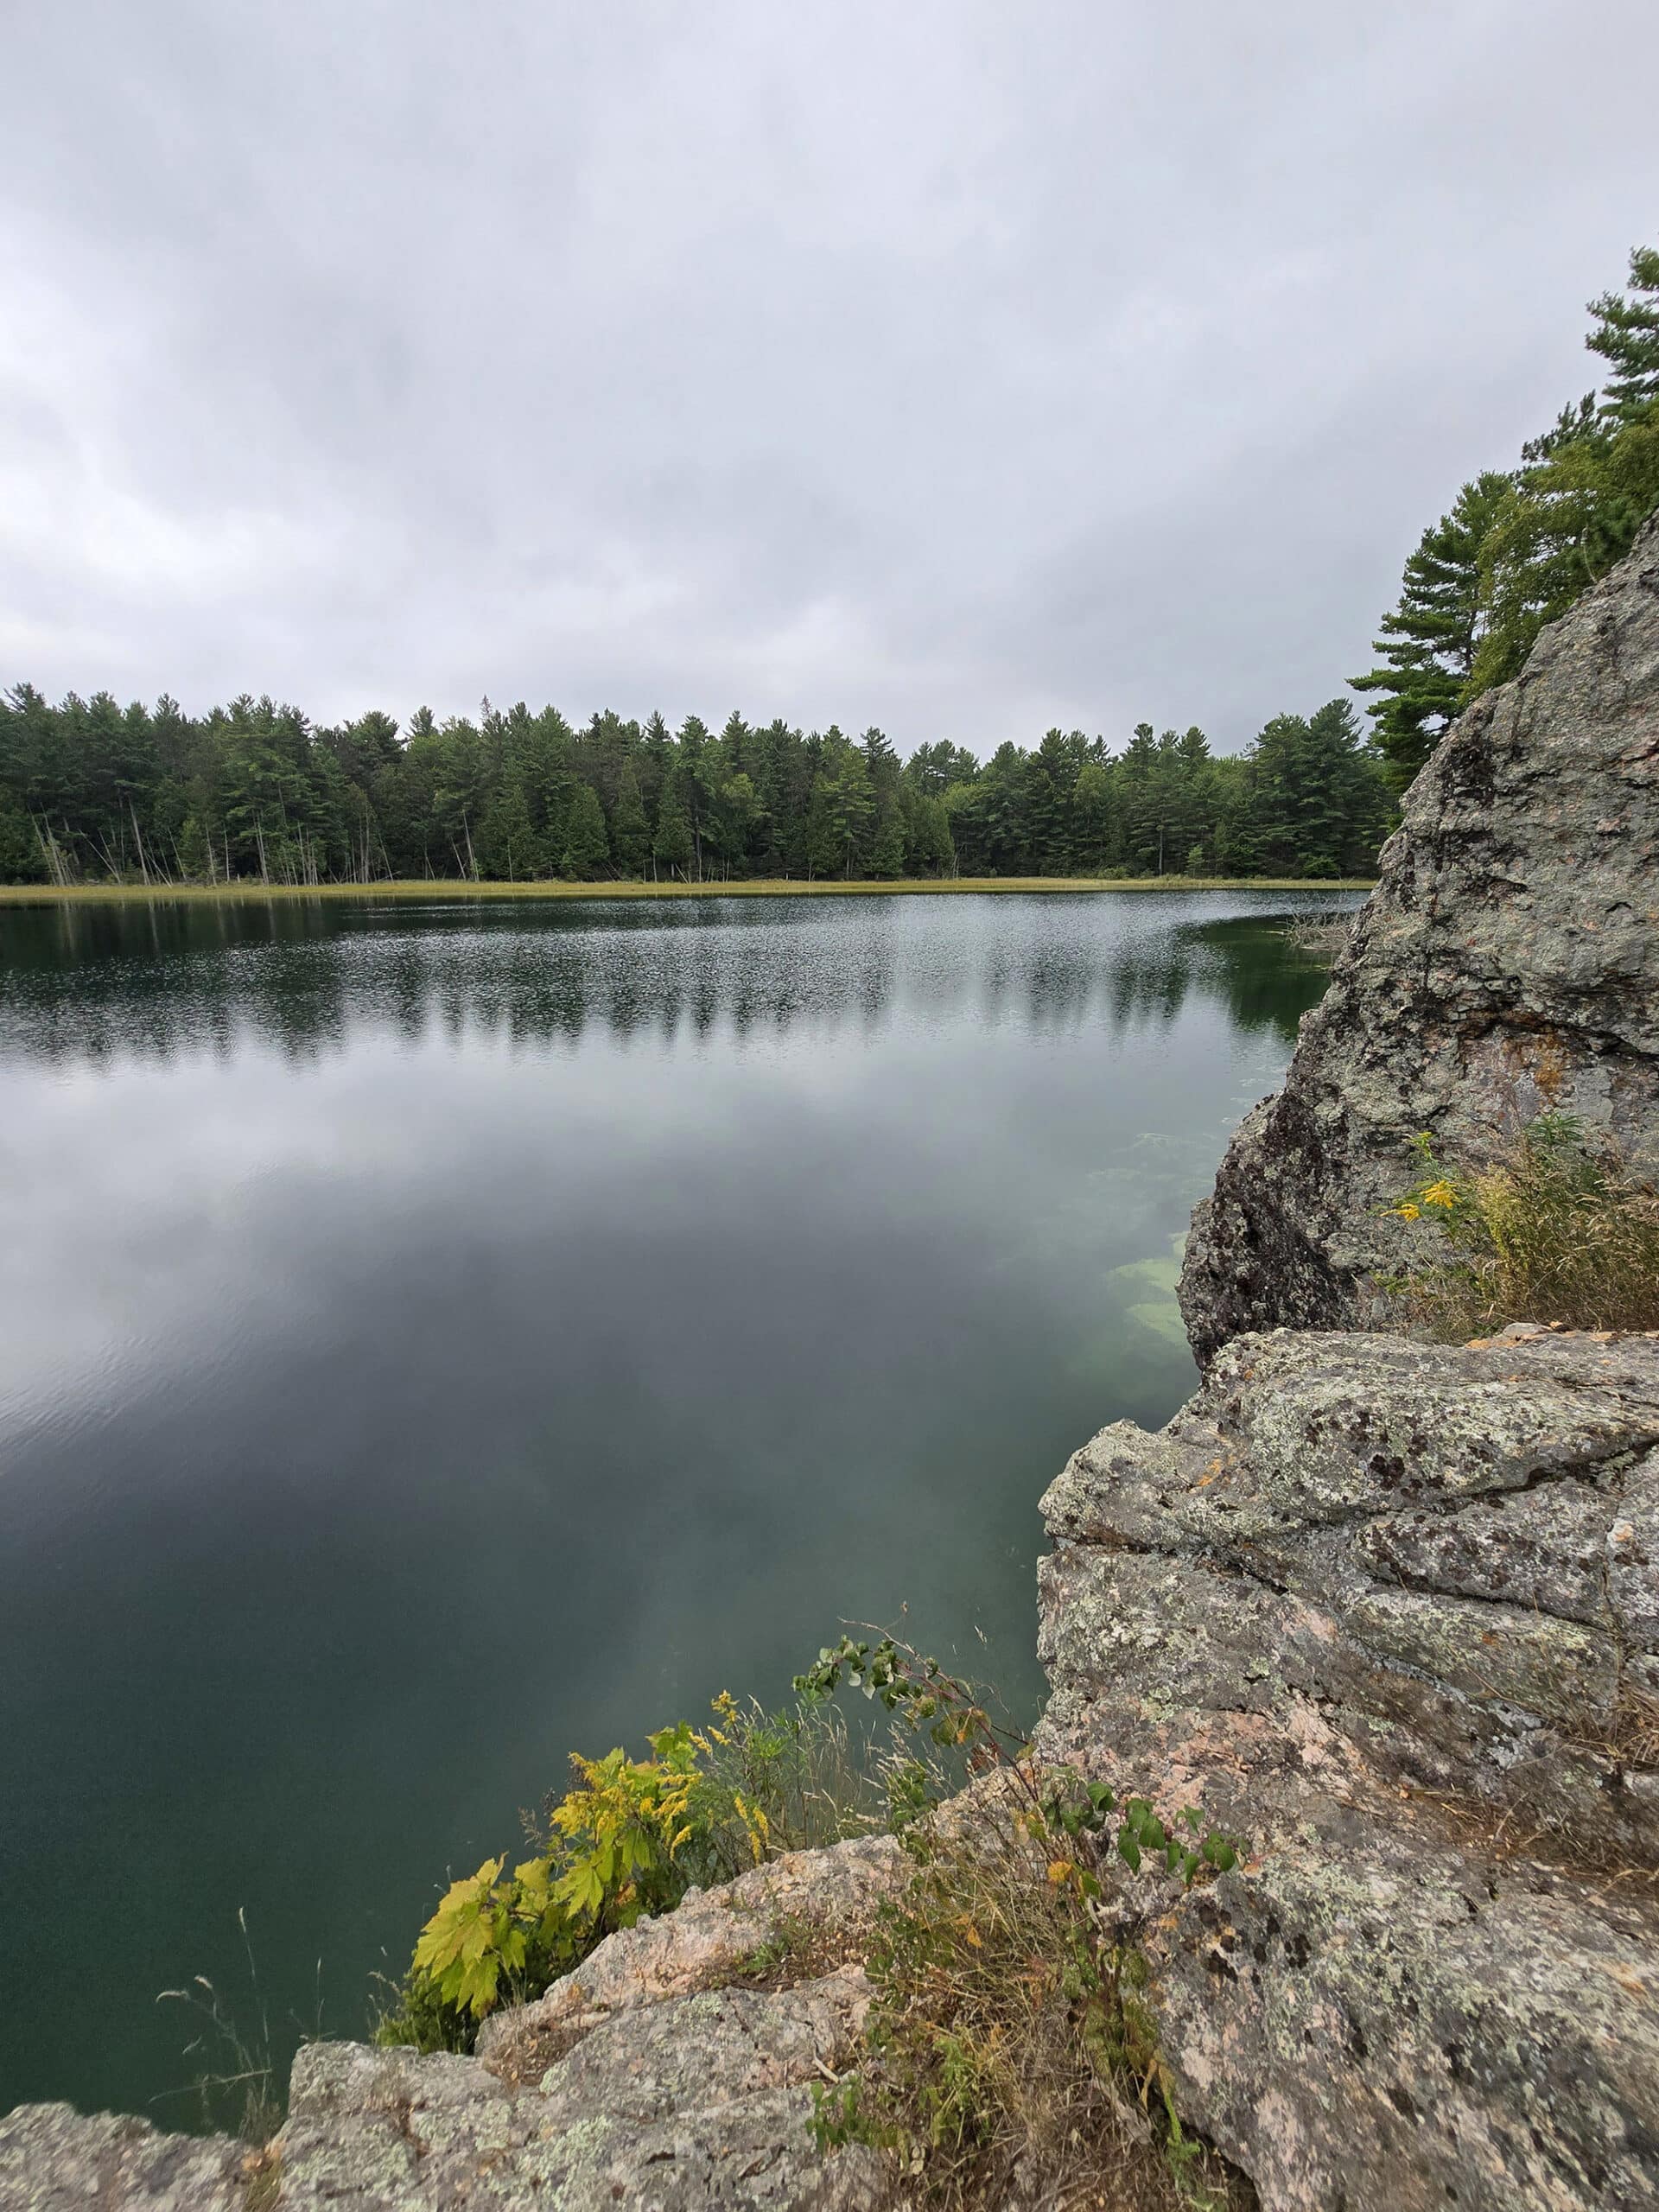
433, 1339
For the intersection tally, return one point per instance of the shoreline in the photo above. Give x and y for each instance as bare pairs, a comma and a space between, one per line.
451, 888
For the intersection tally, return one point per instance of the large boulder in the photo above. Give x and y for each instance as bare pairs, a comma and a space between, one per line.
1390, 1612
1507, 961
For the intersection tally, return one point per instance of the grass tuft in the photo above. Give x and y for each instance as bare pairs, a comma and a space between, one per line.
236, 2081
1008, 2053
1558, 1232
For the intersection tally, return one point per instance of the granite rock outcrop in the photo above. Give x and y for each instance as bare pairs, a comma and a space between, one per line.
1388, 1611
1507, 962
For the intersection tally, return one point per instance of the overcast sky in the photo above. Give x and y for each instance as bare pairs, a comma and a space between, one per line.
964, 366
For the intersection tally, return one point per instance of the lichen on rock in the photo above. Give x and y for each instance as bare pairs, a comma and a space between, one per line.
1361, 1599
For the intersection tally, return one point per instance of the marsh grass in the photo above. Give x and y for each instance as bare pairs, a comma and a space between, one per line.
450, 888
1558, 1232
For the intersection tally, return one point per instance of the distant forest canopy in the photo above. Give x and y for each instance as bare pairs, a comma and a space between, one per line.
90, 790
1517, 548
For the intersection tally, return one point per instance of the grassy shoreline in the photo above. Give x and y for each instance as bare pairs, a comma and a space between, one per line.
45, 895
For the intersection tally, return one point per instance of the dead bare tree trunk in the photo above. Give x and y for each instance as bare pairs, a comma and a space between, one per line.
54, 858
138, 840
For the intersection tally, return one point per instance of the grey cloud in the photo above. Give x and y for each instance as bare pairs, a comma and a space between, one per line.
958, 368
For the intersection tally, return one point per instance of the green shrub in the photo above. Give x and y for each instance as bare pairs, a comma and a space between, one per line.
611, 1854
632, 1836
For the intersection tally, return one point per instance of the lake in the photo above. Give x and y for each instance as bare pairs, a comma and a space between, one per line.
436, 1338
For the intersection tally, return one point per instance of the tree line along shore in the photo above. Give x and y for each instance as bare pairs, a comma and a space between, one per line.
255, 792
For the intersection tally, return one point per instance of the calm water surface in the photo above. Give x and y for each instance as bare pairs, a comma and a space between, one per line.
433, 1338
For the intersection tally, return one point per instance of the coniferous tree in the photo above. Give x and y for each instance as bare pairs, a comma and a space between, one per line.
843, 804
1574, 510
928, 849
699, 782
22, 860
507, 848
1317, 805
1098, 837
1428, 640
630, 831
1626, 334
1569, 512
193, 857
586, 849
672, 844
888, 846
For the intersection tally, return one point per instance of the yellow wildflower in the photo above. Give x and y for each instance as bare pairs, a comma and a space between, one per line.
1409, 1212
1440, 1194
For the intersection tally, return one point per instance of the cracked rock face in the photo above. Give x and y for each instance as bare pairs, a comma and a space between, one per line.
1388, 1611
693, 2101
1507, 962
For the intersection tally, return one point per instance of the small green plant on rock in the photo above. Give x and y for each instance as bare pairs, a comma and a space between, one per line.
611, 1854
1060, 1808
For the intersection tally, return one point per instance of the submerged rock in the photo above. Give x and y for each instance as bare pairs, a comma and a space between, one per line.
1388, 1611
1507, 962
